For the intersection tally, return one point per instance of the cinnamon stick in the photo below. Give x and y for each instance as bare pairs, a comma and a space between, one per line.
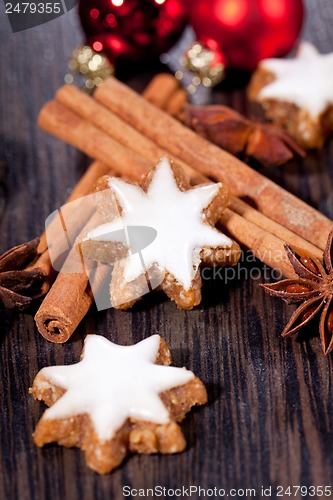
176, 103
252, 215
168, 133
58, 120
115, 128
88, 108
161, 90
268, 248
165, 92
70, 296
82, 188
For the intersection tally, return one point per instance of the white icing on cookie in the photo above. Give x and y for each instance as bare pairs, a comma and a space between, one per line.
306, 80
112, 383
177, 217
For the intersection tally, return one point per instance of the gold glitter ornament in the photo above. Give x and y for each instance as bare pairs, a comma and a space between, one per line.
202, 62
93, 66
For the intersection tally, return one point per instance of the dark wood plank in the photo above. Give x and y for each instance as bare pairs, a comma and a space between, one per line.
269, 417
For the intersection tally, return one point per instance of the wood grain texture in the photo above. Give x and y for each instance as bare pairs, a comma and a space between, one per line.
269, 420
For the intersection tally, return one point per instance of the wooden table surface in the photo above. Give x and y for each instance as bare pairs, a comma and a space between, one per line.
269, 420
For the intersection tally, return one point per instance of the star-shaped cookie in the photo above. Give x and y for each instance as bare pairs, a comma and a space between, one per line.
117, 399
298, 93
182, 219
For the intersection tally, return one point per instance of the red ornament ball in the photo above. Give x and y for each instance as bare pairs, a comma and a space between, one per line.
133, 30
243, 32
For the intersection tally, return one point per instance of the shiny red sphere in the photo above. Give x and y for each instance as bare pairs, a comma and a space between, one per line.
243, 32
133, 30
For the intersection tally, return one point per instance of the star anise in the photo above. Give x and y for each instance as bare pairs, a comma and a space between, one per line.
268, 144
19, 284
313, 289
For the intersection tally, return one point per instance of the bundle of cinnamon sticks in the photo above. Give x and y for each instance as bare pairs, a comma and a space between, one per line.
127, 135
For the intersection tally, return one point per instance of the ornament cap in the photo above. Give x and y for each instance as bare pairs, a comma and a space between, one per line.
205, 64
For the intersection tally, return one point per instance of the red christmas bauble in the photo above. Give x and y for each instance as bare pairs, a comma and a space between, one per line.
133, 30
243, 32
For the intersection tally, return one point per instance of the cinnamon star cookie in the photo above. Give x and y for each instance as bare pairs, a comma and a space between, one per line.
116, 400
298, 94
182, 236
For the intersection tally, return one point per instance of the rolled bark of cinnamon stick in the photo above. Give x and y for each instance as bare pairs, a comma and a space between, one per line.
113, 126
161, 90
57, 319
269, 248
168, 133
69, 298
252, 215
166, 93
176, 103
55, 117
83, 187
